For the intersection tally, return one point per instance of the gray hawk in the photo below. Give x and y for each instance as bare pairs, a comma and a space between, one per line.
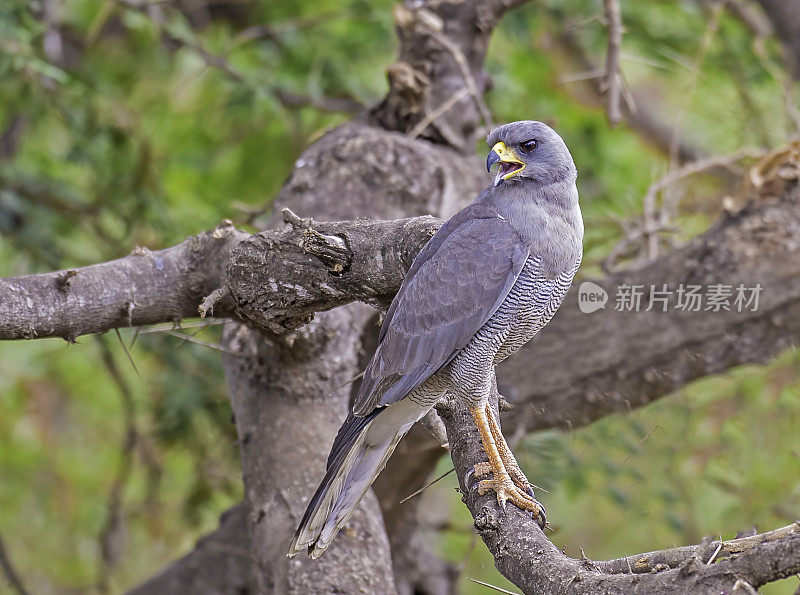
482, 287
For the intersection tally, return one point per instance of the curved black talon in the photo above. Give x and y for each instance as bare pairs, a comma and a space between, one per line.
542, 518
529, 490
468, 477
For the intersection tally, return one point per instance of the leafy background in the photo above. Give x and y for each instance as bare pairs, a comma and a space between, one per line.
139, 127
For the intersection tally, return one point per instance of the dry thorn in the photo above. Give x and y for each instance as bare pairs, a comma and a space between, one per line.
716, 552
190, 339
128, 353
426, 486
63, 280
431, 23
437, 113
493, 587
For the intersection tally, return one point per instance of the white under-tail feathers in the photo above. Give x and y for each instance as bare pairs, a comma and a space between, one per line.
363, 462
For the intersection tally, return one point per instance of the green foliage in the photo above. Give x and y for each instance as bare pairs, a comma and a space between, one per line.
141, 127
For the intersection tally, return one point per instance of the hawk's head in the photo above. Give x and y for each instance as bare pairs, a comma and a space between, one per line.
529, 151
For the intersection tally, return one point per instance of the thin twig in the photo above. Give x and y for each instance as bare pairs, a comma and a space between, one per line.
128, 353
677, 128
437, 113
642, 441
581, 76
10, 573
462, 63
112, 528
612, 72
425, 487
656, 222
348, 382
170, 326
203, 343
493, 587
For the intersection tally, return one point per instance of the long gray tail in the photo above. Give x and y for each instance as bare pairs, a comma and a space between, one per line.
359, 454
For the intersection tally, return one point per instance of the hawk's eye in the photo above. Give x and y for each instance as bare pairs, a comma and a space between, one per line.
529, 145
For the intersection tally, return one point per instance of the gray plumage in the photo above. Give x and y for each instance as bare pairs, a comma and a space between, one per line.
482, 287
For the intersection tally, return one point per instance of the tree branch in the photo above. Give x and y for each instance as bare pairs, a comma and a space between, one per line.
525, 556
142, 288
611, 84
219, 564
442, 51
277, 279
299, 271
646, 122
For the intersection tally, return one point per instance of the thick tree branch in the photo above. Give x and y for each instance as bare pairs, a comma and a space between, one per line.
275, 280
442, 50
317, 266
219, 564
529, 559
143, 288
294, 390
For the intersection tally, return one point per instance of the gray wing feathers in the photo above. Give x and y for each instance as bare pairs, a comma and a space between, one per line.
455, 285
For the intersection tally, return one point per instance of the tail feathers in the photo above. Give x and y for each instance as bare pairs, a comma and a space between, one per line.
360, 452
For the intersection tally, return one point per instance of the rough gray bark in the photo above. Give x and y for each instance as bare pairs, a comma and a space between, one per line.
442, 49
274, 281
525, 556
284, 392
143, 288
286, 411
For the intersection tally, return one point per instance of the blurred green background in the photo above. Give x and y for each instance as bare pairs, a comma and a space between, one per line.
124, 126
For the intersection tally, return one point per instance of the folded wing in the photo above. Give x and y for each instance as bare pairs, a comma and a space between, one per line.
455, 285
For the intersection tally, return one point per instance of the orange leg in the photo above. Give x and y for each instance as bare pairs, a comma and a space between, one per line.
502, 483
510, 462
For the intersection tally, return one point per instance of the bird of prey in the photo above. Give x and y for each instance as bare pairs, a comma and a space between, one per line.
480, 289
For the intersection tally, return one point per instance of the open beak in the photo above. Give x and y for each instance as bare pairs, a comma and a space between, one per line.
510, 164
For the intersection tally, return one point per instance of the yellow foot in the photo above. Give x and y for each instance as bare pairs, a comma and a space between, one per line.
507, 491
481, 469
516, 474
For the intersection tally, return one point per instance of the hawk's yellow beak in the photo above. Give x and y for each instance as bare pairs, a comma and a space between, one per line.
510, 164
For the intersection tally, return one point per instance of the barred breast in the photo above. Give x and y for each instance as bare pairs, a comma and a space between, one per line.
531, 303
